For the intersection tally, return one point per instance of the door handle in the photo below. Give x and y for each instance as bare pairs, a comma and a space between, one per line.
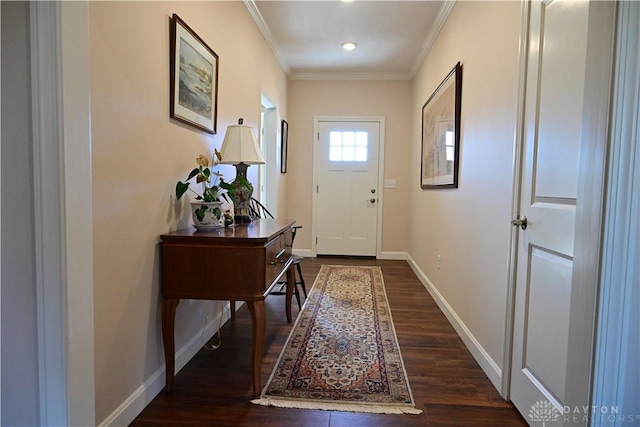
521, 222
372, 200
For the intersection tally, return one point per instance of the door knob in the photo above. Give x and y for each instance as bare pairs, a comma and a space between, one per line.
522, 222
372, 200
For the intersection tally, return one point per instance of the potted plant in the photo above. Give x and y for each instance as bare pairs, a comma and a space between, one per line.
207, 211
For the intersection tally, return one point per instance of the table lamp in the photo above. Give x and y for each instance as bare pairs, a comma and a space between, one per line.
240, 148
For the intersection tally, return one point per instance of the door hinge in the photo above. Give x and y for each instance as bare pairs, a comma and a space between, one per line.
316, 240
317, 188
318, 137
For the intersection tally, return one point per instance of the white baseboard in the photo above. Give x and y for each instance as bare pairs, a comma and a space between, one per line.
139, 399
307, 253
488, 365
401, 256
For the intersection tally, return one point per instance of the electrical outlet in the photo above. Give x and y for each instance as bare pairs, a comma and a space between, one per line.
438, 259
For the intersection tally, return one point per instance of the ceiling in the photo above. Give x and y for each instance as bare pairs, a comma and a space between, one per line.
392, 36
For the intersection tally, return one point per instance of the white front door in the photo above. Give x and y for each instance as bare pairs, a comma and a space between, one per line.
545, 298
347, 187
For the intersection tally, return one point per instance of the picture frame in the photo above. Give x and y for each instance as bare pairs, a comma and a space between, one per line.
440, 154
284, 136
193, 78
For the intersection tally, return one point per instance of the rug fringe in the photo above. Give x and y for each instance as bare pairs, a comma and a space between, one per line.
345, 407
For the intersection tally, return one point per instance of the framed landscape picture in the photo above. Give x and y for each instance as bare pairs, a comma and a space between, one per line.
194, 78
441, 133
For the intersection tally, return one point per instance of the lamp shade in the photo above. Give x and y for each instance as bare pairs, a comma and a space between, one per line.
240, 146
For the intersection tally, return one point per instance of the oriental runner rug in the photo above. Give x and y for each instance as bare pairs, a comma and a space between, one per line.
342, 353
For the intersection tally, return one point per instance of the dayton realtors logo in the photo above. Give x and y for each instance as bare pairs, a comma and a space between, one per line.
544, 411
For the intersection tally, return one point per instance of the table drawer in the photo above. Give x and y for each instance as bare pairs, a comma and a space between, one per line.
278, 252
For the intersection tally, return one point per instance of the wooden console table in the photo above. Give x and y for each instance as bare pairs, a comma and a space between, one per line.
239, 263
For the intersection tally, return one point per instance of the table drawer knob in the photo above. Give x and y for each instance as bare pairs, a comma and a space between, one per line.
272, 263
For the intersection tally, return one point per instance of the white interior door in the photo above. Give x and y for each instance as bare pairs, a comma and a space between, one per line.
347, 187
545, 294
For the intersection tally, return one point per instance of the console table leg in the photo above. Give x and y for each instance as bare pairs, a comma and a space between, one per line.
168, 340
258, 321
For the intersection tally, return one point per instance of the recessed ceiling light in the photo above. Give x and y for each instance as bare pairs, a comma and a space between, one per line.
348, 45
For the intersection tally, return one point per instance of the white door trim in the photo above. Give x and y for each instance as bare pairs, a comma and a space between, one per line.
518, 146
59, 33
314, 200
616, 353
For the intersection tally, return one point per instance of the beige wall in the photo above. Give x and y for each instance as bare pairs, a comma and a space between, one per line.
470, 227
389, 99
139, 154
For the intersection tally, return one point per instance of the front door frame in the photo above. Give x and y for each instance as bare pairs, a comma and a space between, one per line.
314, 200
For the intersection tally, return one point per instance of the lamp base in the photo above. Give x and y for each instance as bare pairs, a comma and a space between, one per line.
242, 192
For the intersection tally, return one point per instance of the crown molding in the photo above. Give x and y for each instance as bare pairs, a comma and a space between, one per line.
349, 76
266, 33
439, 22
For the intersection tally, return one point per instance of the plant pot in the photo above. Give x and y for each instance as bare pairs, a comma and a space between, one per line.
207, 215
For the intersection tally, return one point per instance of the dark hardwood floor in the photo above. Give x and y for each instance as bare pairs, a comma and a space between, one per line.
214, 388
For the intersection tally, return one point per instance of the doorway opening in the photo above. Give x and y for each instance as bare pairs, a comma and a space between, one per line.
267, 193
